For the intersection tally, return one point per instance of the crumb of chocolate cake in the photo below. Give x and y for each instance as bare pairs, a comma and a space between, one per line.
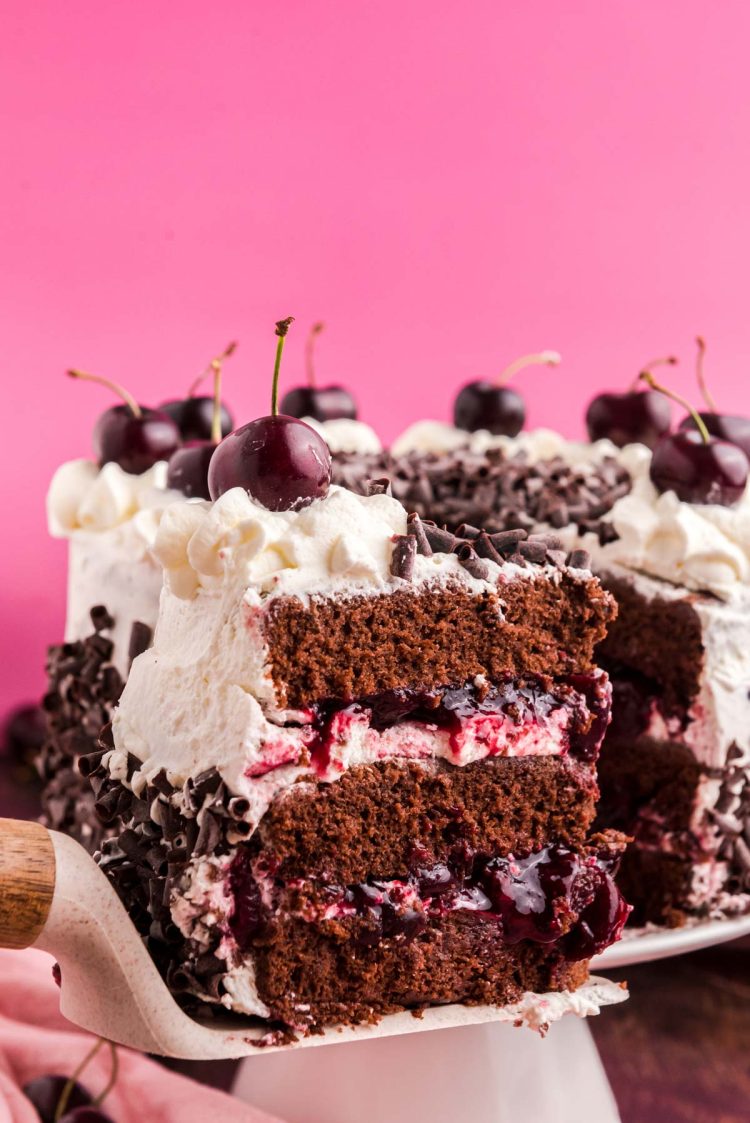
493, 805
366, 645
660, 639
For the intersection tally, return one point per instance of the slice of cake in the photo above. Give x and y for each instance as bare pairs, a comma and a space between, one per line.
676, 759
355, 772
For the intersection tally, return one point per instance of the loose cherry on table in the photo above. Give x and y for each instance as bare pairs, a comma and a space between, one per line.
194, 414
635, 416
188, 467
697, 467
130, 434
726, 426
323, 403
45, 1093
280, 461
495, 406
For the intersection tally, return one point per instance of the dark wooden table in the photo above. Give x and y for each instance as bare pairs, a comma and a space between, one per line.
679, 1050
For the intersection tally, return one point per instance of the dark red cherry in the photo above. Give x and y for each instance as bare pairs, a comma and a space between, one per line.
188, 469
636, 416
323, 403
725, 426
135, 442
495, 406
45, 1091
281, 462
483, 405
699, 471
24, 734
86, 1115
194, 417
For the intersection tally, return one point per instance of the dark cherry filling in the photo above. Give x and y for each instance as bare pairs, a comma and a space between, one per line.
551, 896
525, 701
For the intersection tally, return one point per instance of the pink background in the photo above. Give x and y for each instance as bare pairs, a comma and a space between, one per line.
446, 184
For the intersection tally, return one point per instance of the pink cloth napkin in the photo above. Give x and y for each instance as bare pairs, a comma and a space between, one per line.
36, 1040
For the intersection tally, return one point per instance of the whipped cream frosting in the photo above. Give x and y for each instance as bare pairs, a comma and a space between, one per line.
703, 547
110, 519
344, 435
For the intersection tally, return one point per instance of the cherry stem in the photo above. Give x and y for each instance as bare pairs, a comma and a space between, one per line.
62, 1103
708, 397
669, 361
115, 387
113, 1074
647, 376
228, 350
542, 358
282, 327
216, 415
312, 335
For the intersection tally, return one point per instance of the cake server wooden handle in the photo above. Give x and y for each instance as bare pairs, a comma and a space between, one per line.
27, 881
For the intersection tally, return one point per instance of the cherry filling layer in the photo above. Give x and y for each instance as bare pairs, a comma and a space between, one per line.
515, 716
553, 896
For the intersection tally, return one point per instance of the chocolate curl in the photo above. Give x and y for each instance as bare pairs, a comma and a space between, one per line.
140, 639
404, 556
485, 549
101, 619
378, 487
440, 539
209, 835
535, 552
465, 530
579, 559
473, 565
506, 541
416, 529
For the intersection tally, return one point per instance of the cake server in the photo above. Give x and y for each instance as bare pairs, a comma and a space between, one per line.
54, 897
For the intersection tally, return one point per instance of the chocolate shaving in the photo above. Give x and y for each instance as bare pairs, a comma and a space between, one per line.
414, 527
101, 619
579, 559
403, 556
140, 639
473, 565
378, 487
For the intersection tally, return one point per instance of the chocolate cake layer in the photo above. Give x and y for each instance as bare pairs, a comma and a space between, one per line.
304, 973
647, 781
658, 885
367, 645
660, 639
368, 822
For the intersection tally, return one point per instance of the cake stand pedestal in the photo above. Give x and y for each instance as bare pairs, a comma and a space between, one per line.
491, 1073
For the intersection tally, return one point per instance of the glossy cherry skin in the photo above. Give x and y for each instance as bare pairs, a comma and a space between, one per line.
281, 462
24, 734
699, 471
482, 405
194, 417
188, 469
638, 416
135, 443
323, 403
726, 427
45, 1091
